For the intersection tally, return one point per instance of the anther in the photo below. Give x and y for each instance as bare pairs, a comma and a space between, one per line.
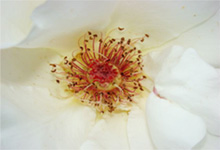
119, 28
147, 35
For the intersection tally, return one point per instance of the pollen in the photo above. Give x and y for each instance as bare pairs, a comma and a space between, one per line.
105, 72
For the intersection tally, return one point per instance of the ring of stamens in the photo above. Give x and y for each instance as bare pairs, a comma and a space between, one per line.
106, 73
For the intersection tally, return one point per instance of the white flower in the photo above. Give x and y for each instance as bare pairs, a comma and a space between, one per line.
181, 113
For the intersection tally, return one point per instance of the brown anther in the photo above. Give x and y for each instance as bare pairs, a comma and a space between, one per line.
65, 57
147, 35
86, 41
88, 49
100, 41
142, 40
58, 81
95, 35
53, 65
89, 32
129, 41
74, 59
144, 77
122, 39
119, 28
139, 51
90, 38
131, 51
81, 47
66, 62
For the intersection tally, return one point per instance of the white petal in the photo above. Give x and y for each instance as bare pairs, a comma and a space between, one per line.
138, 134
195, 85
210, 142
15, 21
153, 62
205, 40
172, 127
33, 117
109, 133
67, 129
59, 24
27, 80
163, 21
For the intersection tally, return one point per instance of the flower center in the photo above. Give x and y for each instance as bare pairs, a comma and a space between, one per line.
105, 73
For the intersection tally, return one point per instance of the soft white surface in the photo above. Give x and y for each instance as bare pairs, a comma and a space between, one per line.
162, 20
59, 24
172, 127
31, 116
108, 133
60, 130
210, 142
15, 21
137, 129
193, 84
205, 40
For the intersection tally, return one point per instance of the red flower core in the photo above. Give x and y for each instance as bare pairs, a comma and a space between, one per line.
106, 73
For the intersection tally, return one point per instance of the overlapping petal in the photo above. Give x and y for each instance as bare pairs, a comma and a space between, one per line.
66, 129
59, 24
108, 133
162, 20
137, 130
192, 83
15, 21
32, 116
172, 127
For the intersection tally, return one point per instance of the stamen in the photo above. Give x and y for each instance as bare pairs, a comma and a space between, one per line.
105, 73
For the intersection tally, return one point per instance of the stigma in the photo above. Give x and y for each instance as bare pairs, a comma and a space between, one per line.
105, 72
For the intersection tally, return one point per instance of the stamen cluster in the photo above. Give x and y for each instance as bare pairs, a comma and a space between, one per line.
105, 73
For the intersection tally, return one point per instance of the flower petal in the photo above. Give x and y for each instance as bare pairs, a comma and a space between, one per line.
33, 117
205, 40
109, 133
63, 130
172, 127
138, 134
162, 21
27, 81
192, 83
59, 24
15, 21
210, 142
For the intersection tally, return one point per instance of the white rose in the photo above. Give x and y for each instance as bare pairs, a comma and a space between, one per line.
181, 112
